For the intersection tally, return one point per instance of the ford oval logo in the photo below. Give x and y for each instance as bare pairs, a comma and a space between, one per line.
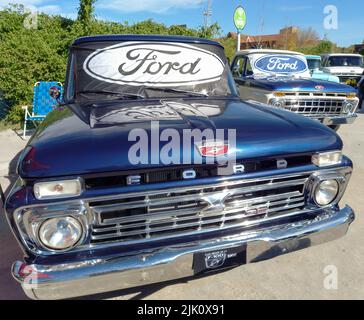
281, 64
155, 64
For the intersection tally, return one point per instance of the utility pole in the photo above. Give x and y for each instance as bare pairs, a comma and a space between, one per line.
207, 14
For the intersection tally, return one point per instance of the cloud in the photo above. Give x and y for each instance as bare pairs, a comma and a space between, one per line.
155, 6
43, 6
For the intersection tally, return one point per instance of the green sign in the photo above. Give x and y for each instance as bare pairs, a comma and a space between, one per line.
240, 18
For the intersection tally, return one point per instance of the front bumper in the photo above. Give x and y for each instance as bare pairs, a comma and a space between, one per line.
333, 121
99, 275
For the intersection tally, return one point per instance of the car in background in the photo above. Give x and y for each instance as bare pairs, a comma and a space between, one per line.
315, 66
282, 79
348, 67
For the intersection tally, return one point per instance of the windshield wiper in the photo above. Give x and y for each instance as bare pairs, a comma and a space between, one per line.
170, 90
121, 95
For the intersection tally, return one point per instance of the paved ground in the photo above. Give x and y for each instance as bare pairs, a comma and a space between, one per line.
298, 275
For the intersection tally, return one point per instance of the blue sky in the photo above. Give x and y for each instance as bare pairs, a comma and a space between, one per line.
275, 14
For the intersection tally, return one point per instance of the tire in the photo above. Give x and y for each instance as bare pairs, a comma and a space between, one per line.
335, 128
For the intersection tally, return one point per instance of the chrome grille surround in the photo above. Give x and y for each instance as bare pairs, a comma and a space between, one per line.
317, 105
236, 212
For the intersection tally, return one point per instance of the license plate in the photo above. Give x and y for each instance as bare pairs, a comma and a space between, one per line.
219, 259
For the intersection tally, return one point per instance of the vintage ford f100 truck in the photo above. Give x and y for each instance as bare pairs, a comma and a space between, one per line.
282, 79
154, 169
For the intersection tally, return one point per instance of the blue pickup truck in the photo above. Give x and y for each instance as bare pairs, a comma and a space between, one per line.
154, 169
283, 80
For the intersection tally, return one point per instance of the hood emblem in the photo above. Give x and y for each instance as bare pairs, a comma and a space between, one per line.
320, 88
214, 149
215, 202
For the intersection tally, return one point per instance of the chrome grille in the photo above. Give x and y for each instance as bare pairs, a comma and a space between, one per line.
315, 107
169, 213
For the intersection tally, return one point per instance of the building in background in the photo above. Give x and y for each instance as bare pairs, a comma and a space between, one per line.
283, 39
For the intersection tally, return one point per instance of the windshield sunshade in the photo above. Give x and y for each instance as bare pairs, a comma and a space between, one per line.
135, 67
279, 64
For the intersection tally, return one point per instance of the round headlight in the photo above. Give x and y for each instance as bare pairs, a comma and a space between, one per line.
60, 233
348, 107
326, 192
279, 103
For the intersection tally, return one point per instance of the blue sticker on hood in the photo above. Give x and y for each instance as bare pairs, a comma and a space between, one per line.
281, 64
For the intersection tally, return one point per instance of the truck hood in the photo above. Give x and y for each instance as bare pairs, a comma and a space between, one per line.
344, 70
94, 138
299, 84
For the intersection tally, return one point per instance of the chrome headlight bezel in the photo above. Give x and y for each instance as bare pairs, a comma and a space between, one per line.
342, 178
349, 106
29, 220
278, 103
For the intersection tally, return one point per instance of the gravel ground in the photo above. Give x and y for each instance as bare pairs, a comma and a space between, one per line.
299, 275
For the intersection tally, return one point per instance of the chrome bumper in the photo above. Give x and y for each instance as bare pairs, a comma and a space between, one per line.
97, 276
339, 120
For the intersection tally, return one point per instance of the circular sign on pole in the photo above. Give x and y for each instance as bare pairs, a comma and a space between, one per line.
240, 18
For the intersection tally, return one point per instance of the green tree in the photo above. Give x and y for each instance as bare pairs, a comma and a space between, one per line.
31, 55
230, 46
86, 14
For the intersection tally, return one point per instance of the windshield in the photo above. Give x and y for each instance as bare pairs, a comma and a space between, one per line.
143, 70
314, 64
345, 61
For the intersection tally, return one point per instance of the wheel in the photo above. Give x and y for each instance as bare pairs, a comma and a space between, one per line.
335, 128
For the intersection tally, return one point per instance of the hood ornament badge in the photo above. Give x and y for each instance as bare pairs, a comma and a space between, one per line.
213, 149
320, 88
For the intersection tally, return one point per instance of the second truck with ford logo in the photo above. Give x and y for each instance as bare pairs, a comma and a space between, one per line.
282, 80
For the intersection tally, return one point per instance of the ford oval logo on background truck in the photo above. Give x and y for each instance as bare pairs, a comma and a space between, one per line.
281, 64
282, 79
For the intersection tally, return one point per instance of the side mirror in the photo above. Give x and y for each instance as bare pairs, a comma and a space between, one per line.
236, 72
